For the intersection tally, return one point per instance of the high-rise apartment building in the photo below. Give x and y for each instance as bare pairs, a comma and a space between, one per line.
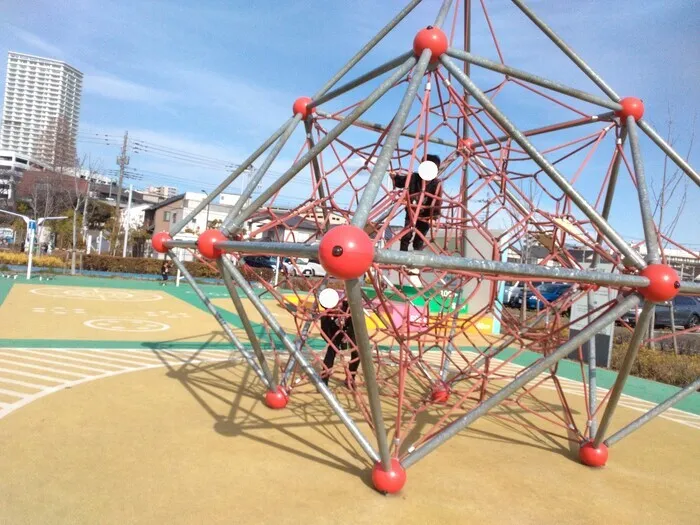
41, 109
164, 192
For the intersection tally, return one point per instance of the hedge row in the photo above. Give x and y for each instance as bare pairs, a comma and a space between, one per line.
16, 258
664, 367
107, 263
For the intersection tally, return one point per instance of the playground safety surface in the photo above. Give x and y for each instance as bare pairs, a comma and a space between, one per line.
187, 440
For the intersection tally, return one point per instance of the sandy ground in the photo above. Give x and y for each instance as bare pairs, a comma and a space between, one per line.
195, 445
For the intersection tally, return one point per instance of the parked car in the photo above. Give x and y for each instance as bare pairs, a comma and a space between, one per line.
549, 291
303, 266
686, 312
513, 292
260, 261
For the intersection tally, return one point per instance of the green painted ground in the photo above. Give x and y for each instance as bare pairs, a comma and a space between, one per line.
641, 388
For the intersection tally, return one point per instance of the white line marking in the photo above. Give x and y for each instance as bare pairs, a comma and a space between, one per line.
21, 383
52, 362
35, 367
70, 358
11, 393
35, 376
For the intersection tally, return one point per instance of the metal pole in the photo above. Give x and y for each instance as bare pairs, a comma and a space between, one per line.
525, 377
321, 145
247, 326
592, 376
668, 150
689, 288
178, 276
614, 238
650, 237
228, 180
442, 14
354, 295
31, 225
299, 357
567, 51
657, 410
371, 126
224, 325
367, 48
391, 141
259, 174
624, 372
533, 79
127, 221
374, 73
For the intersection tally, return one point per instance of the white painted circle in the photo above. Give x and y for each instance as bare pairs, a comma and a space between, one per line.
427, 170
329, 298
126, 325
96, 294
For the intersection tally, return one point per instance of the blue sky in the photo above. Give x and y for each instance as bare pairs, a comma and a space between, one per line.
215, 78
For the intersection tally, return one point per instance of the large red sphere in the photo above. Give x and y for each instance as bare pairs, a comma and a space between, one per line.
300, 107
158, 240
631, 107
389, 482
346, 252
593, 457
205, 243
432, 38
440, 394
663, 283
276, 399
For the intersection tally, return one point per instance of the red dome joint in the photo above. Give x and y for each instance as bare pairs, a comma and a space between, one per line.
391, 481
206, 241
432, 38
631, 107
158, 240
276, 399
664, 283
591, 456
300, 106
346, 252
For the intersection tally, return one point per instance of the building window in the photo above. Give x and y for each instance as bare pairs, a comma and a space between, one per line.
174, 216
166, 216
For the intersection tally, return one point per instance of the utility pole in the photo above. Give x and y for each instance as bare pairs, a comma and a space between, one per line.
122, 162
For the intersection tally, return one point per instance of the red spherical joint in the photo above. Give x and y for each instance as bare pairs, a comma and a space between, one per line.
205, 243
591, 456
299, 106
664, 283
432, 38
391, 481
276, 399
466, 146
346, 252
440, 393
158, 240
631, 107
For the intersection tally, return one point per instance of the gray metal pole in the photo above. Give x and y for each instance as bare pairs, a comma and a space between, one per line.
624, 372
522, 379
656, 411
224, 325
442, 14
259, 174
567, 51
321, 145
614, 238
533, 79
228, 180
498, 268
354, 296
372, 74
299, 357
371, 126
689, 288
592, 376
391, 141
650, 237
668, 150
247, 326
367, 48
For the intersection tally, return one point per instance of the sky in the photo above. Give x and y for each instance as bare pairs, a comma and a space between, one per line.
216, 78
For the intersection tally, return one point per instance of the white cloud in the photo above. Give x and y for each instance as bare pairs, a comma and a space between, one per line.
109, 86
37, 44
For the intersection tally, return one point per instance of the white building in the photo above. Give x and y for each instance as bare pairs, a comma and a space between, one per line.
14, 161
134, 216
164, 192
41, 108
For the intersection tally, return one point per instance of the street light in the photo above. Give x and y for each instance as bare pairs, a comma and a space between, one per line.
206, 224
31, 227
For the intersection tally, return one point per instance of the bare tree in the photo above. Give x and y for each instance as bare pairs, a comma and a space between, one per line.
80, 193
